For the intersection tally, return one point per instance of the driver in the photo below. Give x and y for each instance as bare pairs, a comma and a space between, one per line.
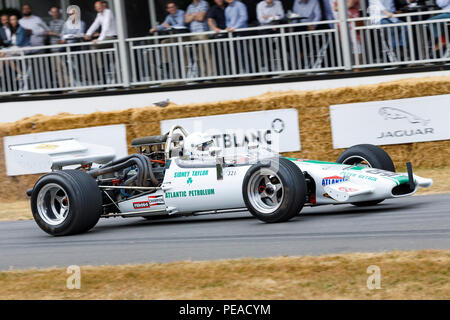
197, 145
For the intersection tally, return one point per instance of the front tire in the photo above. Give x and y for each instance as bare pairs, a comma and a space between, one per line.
274, 192
371, 156
66, 202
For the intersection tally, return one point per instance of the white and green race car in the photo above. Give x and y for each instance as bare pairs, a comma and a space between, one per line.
185, 174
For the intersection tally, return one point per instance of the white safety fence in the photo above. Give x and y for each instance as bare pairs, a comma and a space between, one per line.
59, 67
269, 50
413, 41
273, 50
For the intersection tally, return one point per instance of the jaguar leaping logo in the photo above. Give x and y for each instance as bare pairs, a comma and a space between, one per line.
395, 114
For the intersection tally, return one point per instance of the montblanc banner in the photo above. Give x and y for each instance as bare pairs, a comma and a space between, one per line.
391, 121
277, 130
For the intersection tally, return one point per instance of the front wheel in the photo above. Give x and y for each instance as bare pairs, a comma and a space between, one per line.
274, 192
370, 156
66, 202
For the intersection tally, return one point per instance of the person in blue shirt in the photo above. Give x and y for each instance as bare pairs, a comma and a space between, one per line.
309, 10
236, 15
175, 18
196, 16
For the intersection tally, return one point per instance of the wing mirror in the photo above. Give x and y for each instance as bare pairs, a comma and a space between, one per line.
217, 153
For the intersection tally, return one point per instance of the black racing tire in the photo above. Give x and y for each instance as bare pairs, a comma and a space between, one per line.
80, 195
290, 199
373, 156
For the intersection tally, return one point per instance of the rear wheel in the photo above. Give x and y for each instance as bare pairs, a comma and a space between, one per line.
274, 192
370, 156
66, 202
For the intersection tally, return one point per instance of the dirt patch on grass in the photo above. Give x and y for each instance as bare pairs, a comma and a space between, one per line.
404, 275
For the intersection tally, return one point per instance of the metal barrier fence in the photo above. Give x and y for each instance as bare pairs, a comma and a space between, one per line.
273, 50
59, 67
411, 42
269, 50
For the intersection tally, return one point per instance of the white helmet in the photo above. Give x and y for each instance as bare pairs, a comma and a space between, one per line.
197, 144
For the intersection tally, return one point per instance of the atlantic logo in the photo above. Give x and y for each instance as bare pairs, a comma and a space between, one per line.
389, 113
333, 180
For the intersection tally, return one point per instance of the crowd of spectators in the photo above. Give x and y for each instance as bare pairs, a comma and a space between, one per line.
31, 31
224, 16
199, 16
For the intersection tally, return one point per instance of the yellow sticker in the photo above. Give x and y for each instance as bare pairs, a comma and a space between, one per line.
47, 146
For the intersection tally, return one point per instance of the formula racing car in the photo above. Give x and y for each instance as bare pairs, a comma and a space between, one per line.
186, 174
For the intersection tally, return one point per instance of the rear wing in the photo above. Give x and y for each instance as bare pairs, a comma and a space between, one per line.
42, 153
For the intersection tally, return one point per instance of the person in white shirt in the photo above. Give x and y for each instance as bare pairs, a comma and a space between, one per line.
105, 19
34, 26
269, 10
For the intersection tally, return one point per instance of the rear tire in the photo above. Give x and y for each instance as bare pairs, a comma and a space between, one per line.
370, 155
274, 191
66, 202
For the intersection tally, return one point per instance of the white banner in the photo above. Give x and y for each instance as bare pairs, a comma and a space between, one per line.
391, 122
277, 129
37, 152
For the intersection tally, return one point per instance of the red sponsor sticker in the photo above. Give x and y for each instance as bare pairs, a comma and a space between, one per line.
347, 189
155, 200
141, 205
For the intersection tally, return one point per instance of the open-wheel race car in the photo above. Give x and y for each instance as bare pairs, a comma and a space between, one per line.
186, 174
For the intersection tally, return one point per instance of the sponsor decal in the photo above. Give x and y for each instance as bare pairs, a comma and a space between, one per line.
155, 200
360, 176
333, 180
233, 140
203, 192
141, 205
347, 189
189, 180
405, 133
381, 173
47, 146
389, 113
190, 193
278, 125
195, 173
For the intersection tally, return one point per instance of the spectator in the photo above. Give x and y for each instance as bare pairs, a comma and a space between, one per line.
105, 4
268, 11
19, 38
353, 8
196, 16
382, 11
34, 25
74, 27
309, 11
175, 18
5, 31
236, 15
72, 32
444, 5
216, 16
105, 20
56, 25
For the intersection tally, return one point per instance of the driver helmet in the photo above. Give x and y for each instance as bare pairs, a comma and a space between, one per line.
197, 144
